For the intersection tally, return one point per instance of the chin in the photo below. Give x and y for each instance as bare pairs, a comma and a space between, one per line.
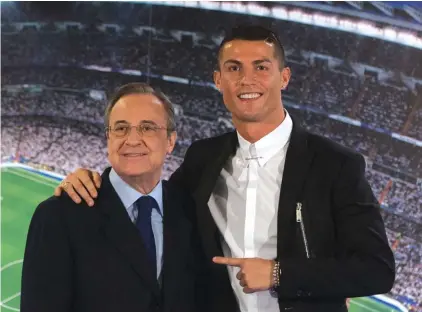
249, 113
248, 117
133, 170
136, 173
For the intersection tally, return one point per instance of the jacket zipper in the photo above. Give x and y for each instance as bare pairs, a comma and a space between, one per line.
299, 219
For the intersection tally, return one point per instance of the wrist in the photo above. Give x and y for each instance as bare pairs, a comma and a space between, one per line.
275, 278
276, 274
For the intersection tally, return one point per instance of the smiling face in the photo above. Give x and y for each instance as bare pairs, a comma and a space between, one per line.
250, 80
135, 154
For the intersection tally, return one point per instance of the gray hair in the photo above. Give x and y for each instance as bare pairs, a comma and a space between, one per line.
142, 88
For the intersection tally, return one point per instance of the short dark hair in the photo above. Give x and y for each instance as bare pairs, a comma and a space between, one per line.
254, 33
141, 88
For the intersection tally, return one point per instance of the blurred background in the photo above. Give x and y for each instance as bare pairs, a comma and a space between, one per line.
356, 78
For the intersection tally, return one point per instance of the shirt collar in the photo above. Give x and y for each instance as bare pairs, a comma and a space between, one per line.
129, 195
269, 145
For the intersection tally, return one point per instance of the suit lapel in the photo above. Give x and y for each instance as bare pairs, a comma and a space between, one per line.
120, 232
206, 223
298, 162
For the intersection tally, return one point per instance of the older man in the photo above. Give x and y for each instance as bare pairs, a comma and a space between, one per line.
137, 250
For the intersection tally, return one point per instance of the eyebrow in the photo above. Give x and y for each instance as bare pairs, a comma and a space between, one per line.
256, 62
120, 121
142, 122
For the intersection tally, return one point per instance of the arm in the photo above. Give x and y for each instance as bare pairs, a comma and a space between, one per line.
84, 182
364, 263
180, 176
191, 166
47, 264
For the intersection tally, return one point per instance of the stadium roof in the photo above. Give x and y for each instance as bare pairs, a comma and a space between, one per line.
407, 14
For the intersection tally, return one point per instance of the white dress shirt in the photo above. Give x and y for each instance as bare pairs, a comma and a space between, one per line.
244, 205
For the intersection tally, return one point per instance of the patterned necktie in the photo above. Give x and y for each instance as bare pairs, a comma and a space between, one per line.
145, 204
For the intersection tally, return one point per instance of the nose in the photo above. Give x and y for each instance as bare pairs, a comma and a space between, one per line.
133, 137
247, 76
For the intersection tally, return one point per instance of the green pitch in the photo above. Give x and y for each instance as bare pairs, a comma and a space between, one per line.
21, 192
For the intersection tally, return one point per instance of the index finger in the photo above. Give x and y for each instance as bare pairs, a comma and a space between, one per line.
58, 191
228, 261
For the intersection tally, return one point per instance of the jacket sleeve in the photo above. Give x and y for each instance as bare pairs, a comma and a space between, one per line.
180, 176
363, 264
47, 263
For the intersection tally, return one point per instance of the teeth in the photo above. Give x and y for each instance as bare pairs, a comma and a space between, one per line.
249, 95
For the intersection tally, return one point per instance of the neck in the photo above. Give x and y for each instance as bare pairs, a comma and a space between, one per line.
144, 183
256, 130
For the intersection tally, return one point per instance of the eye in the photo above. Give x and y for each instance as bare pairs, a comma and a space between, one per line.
234, 68
148, 128
262, 67
120, 128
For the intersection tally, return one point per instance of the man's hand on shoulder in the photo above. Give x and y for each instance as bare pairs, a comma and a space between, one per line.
80, 183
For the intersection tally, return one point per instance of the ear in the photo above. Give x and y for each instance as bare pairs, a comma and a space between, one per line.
285, 78
217, 79
171, 142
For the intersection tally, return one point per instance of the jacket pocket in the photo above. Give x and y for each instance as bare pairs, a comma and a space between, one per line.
302, 229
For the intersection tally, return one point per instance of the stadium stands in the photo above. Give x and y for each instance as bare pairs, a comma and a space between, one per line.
52, 102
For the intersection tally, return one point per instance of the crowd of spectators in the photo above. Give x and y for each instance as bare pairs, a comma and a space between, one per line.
408, 255
51, 114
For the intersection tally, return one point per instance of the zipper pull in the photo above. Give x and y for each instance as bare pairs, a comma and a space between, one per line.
299, 212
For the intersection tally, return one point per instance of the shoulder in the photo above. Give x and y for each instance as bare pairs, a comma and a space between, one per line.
58, 208
204, 151
332, 159
213, 143
332, 150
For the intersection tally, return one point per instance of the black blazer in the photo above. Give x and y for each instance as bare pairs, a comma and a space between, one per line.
79, 258
347, 249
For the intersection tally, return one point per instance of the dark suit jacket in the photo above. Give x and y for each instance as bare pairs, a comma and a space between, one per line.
349, 255
79, 258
